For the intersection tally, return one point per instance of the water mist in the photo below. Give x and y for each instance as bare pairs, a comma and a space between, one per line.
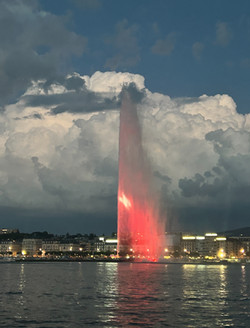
139, 225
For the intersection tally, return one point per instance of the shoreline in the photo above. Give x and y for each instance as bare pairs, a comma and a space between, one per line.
175, 261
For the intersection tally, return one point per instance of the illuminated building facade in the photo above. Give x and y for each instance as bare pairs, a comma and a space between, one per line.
55, 246
106, 244
31, 247
10, 248
51, 246
210, 245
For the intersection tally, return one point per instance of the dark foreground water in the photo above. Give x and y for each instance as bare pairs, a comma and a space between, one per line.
124, 295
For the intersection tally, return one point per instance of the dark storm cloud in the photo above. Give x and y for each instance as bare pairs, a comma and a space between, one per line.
199, 186
230, 178
136, 95
70, 194
107, 167
74, 102
211, 218
164, 178
36, 116
79, 99
51, 181
34, 44
74, 82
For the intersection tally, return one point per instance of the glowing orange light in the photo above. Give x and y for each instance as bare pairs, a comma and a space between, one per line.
221, 253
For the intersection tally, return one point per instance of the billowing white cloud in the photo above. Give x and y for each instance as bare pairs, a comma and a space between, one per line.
199, 148
111, 81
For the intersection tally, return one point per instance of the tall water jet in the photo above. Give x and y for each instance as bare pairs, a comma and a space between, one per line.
139, 224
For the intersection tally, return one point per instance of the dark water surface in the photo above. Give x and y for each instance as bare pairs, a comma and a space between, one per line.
124, 295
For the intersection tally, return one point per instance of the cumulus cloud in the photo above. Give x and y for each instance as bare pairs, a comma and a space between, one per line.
53, 155
74, 101
223, 34
33, 43
73, 94
226, 185
199, 149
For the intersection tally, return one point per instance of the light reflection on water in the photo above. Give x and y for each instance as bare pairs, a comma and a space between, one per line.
205, 292
124, 295
243, 289
107, 289
140, 295
20, 298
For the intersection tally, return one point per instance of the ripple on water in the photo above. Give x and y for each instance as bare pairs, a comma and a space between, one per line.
124, 295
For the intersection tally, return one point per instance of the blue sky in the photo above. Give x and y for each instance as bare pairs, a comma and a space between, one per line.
182, 48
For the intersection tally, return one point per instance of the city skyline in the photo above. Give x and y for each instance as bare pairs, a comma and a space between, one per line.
181, 246
62, 69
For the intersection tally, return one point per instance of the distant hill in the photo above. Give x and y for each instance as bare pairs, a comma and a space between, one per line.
236, 232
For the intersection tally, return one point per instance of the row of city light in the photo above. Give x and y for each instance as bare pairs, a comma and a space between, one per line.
221, 253
188, 237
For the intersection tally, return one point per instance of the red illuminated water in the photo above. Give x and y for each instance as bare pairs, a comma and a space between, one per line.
139, 226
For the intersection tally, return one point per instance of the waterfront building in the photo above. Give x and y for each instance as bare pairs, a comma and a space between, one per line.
210, 248
12, 247
99, 244
31, 247
55, 246
110, 245
233, 247
88, 247
242, 245
172, 242
50, 246
105, 244
211, 245
69, 247
188, 244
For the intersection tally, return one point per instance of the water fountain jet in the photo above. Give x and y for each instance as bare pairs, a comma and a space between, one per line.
139, 225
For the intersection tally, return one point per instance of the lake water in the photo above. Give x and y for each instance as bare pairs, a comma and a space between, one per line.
124, 295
